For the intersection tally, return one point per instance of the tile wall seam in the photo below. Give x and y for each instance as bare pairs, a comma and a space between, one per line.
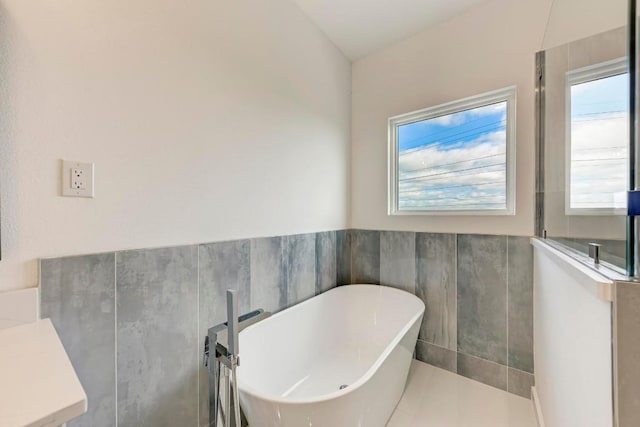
415, 262
115, 329
39, 296
437, 345
379, 257
483, 359
519, 370
198, 331
315, 266
351, 257
178, 245
507, 299
455, 291
335, 259
284, 279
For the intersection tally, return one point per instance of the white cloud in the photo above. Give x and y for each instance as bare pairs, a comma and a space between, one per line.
448, 120
463, 177
599, 165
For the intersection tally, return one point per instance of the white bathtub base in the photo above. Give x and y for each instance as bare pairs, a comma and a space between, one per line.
373, 363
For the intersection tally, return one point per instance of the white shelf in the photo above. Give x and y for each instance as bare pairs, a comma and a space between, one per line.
38, 385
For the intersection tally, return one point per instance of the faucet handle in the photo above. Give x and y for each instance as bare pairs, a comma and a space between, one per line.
233, 343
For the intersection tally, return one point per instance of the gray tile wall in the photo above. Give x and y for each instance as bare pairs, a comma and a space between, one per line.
398, 260
146, 312
482, 297
478, 293
79, 297
154, 307
365, 256
157, 336
627, 353
299, 258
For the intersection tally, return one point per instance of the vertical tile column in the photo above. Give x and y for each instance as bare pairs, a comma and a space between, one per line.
326, 265
268, 290
222, 266
436, 286
78, 295
365, 256
343, 257
520, 316
299, 263
482, 308
157, 337
398, 260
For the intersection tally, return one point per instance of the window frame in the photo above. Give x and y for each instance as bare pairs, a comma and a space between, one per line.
508, 95
614, 67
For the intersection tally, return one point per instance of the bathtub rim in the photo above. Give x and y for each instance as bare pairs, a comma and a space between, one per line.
364, 378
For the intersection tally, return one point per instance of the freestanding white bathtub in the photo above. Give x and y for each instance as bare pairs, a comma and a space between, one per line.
293, 364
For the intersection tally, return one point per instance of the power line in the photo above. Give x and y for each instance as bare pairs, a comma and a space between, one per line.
598, 160
615, 101
439, 199
474, 174
442, 141
597, 120
582, 204
456, 171
456, 186
598, 192
457, 205
600, 148
600, 113
454, 163
445, 115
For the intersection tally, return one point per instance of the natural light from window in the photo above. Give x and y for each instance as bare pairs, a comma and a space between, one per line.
599, 145
454, 162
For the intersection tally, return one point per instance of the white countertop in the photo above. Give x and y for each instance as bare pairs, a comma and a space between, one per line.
38, 385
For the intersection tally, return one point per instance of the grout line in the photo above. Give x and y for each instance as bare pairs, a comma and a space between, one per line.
39, 292
115, 329
483, 359
198, 332
437, 345
507, 320
520, 370
455, 290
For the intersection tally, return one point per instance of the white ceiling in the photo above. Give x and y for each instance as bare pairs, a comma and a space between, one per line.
360, 27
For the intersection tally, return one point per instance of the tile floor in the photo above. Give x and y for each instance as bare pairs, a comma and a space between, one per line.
437, 398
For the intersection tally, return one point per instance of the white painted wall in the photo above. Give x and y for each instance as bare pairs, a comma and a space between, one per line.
207, 120
572, 20
489, 47
572, 345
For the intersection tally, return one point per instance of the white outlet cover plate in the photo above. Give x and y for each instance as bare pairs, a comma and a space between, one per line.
87, 171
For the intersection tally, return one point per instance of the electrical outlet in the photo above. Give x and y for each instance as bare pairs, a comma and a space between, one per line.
77, 179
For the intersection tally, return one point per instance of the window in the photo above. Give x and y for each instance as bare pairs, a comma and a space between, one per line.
456, 158
597, 139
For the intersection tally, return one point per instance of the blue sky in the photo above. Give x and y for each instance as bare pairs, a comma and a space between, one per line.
453, 129
600, 96
455, 161
458, 161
